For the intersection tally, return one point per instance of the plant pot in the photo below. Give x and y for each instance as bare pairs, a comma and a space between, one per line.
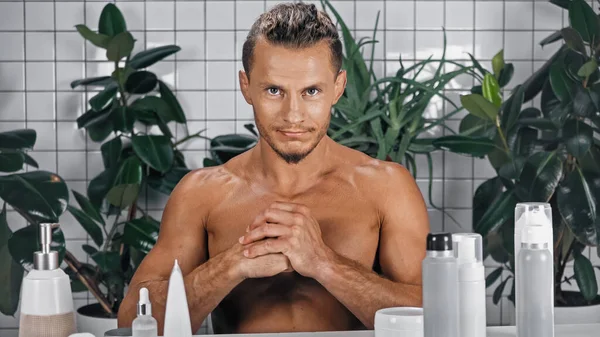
91, 318
577, 314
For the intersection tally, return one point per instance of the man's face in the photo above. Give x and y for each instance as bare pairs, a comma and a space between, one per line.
291, 93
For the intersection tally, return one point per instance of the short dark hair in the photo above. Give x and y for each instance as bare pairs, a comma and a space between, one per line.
294, 25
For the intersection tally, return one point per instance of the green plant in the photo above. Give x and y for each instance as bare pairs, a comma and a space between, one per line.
38, 196
385, 118
131, 103
550, 154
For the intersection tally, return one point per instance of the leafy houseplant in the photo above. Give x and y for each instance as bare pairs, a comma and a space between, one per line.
384, 118
550, 154
38, 196
131, 102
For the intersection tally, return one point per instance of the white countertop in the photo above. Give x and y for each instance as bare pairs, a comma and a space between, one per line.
579, 330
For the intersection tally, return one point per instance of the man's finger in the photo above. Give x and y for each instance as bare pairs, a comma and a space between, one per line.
266, 230
291, 207
276, 216
268, 246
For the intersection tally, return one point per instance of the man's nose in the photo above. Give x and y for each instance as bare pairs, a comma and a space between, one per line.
293, 111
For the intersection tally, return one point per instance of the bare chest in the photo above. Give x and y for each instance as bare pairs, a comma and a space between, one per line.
349, 222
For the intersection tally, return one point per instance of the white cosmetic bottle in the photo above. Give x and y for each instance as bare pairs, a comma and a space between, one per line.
534, 281
471, 284
144, 325
177, 314
46, 299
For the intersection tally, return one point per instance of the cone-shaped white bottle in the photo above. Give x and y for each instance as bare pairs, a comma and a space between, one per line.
177, 314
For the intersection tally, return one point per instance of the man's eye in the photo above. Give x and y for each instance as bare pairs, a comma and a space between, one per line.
273, 91
312, 91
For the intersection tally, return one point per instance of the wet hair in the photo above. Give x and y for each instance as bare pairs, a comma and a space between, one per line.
294, 25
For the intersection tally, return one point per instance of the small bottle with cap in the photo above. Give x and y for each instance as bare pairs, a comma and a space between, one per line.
471, 284
440, 288
534, 285
144, 325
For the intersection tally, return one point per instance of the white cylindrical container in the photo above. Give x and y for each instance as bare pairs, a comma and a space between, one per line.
440, 288
399, 322
471, 284
532, 214
46, 300
534, 282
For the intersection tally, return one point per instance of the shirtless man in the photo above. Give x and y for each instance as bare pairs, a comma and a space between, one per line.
299, 233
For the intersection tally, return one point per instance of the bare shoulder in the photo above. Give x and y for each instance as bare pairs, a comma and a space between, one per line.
376, 176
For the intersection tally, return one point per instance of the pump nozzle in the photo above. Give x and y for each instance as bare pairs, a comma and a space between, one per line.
46, 259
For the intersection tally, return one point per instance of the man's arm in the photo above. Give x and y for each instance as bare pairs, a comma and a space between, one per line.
403, 236
182, 237
290, 229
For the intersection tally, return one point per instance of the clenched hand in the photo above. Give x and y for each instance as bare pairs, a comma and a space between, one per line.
288, 228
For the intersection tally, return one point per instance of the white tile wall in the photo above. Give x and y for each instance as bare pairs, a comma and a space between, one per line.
42, 54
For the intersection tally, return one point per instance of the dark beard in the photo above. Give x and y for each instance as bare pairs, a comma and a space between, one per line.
290, 158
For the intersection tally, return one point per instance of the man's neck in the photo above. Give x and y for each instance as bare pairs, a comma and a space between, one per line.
286, 178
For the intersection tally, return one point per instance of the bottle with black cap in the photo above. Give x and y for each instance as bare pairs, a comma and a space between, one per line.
440, 287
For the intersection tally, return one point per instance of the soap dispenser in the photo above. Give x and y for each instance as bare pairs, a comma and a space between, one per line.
46, 299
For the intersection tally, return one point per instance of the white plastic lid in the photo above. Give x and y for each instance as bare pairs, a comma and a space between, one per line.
468, 247
400, 319
534, 234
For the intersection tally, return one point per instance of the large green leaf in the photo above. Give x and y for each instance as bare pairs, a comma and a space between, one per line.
98, 40
122, 118
540, 176
127, 183
18, 139
588, 68
11, 273
120, 46
141, 234
91, 227
107, 261
148, 57
41, 196
156, 151
167, 95
537, 123
167, 182
584, 102
11, 161
506, 74
561, 3
475, 146
491, 90
498, 62
237, 144
101, 99
522, 140
534, 84
573, 40
585, 275
100, 185
583, 19
511, 170
591, 161
111, 151
500, 211
562, 85
485, 194
556, 36
577, 199
512, 108
93, 117
111, 22
479, 106
145, 109
101, 81
141, 82
25, 241
578, 137
30, 161
474, 126
88, 208
100, 131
